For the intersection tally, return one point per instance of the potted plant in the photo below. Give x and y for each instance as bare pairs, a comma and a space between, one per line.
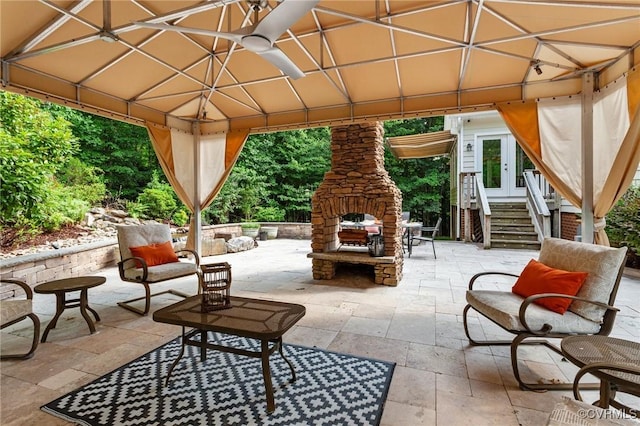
250, 229
272, 231
269, 214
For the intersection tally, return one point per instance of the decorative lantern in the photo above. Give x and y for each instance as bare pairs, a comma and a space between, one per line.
215, 281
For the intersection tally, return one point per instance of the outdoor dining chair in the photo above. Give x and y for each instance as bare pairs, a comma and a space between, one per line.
431, 232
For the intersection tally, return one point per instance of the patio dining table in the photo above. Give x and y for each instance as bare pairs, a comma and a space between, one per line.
407, 233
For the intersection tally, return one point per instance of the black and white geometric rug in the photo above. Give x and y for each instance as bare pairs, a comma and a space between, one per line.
228, 389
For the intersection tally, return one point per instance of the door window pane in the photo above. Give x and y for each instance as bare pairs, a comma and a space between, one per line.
522, 163
491, 163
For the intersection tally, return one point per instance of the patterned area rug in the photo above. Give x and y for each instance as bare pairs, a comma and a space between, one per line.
228, 389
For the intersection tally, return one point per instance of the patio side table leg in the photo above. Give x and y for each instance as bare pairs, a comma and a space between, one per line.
266, 375
605, 394
95, 314
60, 302
83, 310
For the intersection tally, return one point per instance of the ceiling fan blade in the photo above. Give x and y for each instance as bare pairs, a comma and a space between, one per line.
282, 61
283, 16
235, 36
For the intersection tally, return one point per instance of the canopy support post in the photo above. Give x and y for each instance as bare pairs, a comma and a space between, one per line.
587, 157
197, 220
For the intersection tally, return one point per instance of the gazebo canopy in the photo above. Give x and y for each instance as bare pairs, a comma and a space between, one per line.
202, 75
362, 59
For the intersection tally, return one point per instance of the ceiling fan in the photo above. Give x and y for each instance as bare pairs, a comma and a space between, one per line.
261, 36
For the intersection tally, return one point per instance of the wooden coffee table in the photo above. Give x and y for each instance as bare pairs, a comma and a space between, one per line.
264, 320
66, 285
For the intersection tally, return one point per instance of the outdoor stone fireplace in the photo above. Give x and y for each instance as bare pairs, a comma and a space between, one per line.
357, 183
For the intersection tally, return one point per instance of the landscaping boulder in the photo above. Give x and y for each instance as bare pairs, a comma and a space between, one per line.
237, 244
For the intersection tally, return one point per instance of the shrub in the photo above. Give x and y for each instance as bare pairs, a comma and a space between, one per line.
58, 209
181, 217
269, 214
250, 225
33, 146
157, 203
83, 181
623, 221
134, 209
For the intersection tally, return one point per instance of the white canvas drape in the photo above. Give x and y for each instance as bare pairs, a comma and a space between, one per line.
176, 152
211, 167
549, 131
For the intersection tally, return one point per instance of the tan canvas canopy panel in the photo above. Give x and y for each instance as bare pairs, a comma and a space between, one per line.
424, 145
202, 75
361, 59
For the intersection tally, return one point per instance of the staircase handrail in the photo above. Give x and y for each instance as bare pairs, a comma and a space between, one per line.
484, 209
537, 206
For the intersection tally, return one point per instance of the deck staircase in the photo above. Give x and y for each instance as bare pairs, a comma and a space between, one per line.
511, 227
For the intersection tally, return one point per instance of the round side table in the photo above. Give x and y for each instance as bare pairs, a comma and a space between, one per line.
614, 361
66, 285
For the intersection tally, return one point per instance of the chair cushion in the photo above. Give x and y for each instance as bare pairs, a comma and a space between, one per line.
12, 310
162, 272
602, 263
140, 235
155, 254
503, 307
537, 278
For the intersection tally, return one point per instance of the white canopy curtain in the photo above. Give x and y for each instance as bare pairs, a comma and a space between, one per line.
549, 131
176, 152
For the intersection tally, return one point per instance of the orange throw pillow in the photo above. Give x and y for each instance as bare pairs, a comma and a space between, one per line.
155, 254
537, 278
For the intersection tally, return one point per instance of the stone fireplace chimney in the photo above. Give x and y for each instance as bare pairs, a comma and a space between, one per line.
357, 183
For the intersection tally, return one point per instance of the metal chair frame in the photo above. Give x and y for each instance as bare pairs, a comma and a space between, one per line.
542, 334
125, 263
146, 282
32, 316
433, 230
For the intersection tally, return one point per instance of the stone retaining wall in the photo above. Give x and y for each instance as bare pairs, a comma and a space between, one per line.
88, 258
64, 263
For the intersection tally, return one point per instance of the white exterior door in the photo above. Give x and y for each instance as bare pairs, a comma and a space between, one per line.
502, 162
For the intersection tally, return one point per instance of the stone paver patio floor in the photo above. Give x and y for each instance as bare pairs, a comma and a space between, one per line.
439, 379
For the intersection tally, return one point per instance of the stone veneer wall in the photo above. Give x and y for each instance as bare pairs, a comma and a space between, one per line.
357, 183
67, 262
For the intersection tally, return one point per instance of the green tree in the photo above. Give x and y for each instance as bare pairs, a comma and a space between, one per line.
223, 205
300, 159
84, 182
424, 182
275, 172
251, 189
623, 221
121, 151
34, 145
